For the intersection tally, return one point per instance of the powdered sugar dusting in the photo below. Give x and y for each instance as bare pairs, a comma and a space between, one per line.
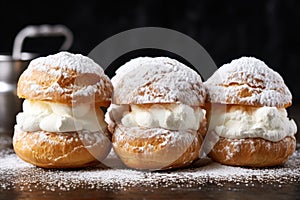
18, 175
248, 81
65, 77
157, 80
66, 60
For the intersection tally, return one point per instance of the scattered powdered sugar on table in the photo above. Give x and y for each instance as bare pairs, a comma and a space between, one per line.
20, 176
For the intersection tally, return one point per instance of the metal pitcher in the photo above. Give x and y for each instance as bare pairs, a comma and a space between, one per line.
11, 67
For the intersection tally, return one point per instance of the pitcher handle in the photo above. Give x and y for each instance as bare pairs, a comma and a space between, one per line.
41, 31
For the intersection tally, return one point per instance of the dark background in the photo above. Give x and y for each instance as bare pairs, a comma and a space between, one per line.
268, 30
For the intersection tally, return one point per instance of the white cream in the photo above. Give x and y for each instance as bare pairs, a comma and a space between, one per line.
269, 123
54, 117
172, 117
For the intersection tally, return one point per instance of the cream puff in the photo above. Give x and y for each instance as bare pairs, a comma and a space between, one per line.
156, 117
247, 114
62, 125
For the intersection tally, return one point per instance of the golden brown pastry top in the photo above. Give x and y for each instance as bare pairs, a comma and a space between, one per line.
65, 78
248, 81
146, 80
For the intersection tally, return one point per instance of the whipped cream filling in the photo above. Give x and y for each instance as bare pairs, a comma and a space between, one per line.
55, 117
269, 123
170, 116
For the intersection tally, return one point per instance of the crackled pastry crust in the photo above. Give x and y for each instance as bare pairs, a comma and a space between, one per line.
248, 81
61, 150
253, 152
157, 80
156, 148
65, 78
